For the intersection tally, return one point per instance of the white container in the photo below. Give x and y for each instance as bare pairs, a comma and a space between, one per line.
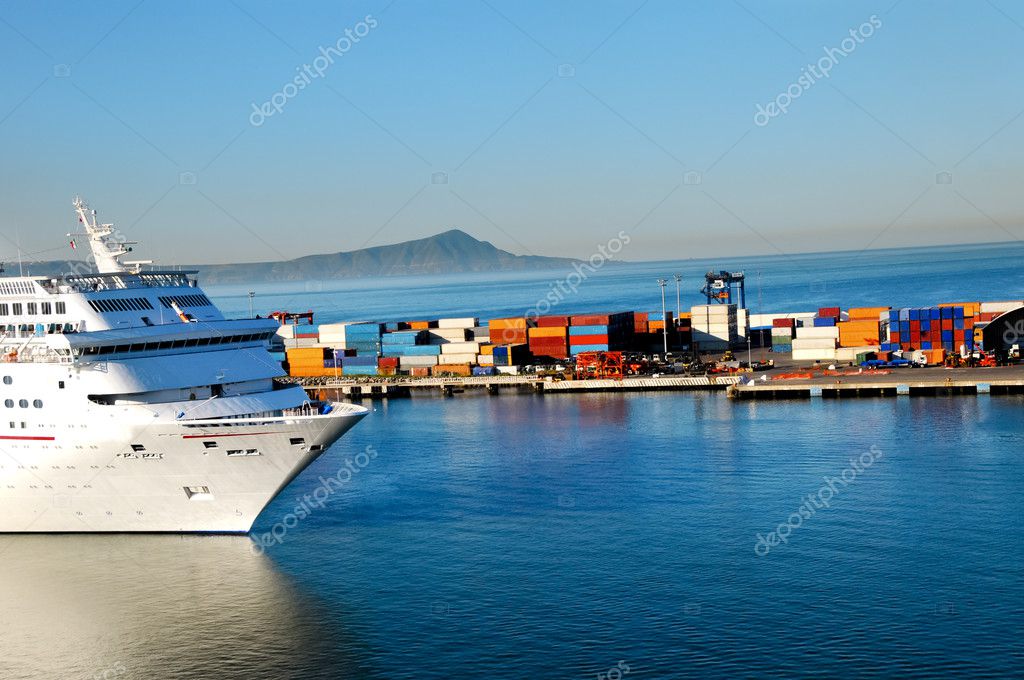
999, 307
413, 362
464, 358
461, 348
508, 370
818, 332
466, 322
485, 360
814, 354
814, 343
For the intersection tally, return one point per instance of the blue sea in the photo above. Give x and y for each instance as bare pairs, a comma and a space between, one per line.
592, 536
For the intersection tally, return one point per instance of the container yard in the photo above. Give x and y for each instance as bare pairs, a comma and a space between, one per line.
949, 347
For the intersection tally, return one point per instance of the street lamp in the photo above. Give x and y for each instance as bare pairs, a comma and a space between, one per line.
679, 307
664, 326
252, 294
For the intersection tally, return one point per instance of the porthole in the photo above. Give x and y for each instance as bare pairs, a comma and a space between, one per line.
23, 403
38, 403
9, 403
8, 380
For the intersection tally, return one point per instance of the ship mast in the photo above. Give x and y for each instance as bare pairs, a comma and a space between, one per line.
107, 246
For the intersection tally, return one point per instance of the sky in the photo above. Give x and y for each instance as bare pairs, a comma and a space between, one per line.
698, 129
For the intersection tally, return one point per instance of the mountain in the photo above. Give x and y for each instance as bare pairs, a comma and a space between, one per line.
450, 252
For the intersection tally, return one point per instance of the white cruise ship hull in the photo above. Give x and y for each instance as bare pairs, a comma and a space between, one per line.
193, 478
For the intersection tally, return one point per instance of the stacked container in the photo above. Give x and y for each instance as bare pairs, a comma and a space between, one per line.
361, 336
600, 332
782, 335
509, 331
550, 338
945, 327
714, 326
308, 362
817, 342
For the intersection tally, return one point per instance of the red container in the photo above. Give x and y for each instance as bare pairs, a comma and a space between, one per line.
552, 321
588, 340
602, 319
783, 323
894, 337
947, 324
387, 362
828, 313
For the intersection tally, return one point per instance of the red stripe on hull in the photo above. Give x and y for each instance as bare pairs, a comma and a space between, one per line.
30, 439
211, 436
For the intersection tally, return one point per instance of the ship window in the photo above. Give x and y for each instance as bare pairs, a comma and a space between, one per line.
60, 384
4, 309
166, 344
234, 452
202, 342
7, 380
61, 307
16, 308
251, 452
31, 308
296, 441
46, 308
23, 403
38, 403
192, 342
210, 445
138, 447
9, 403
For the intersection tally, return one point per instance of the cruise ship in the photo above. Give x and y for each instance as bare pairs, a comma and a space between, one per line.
131, 404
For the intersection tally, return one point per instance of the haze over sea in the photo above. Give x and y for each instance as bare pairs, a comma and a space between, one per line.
586, 536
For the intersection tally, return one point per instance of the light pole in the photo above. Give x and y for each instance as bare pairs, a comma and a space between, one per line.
679, 307
252, 294
664, 326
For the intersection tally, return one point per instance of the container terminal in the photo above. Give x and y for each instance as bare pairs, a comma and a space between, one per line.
947, 348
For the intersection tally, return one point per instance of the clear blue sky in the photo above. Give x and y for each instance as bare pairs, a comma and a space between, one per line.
558, 124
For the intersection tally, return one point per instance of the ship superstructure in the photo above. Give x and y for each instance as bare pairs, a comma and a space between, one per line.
129, 403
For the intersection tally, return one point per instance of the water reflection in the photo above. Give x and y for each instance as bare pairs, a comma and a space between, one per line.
159, 607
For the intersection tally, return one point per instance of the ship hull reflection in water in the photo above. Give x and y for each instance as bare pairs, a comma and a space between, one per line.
158, 607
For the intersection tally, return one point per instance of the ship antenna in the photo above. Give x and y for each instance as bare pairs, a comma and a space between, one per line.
107, 246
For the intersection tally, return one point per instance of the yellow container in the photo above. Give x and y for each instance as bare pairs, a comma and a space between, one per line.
549, 332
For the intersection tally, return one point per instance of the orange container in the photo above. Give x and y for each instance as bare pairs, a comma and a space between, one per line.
867, 313
858, 333
560, 332
453, 369
510, 322
420, 371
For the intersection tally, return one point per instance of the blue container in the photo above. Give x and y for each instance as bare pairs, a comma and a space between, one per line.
904, 327
422, 350
894, 326
391, 352
587, 348
358, 361
915, 314
588, 330
894, 315
947, 336
958, 312
825, 322
958, 324
403, 338
926, 325
947, 312
926, 344
935, 313
359, 370
484, 370
969, 343
905, 314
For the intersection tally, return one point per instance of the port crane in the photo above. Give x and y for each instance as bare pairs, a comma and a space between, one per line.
724, 287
